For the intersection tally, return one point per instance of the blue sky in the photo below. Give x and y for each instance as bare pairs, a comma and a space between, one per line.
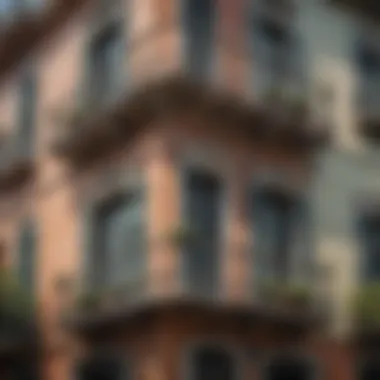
4, 5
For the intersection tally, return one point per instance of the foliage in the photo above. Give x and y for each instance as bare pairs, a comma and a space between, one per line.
291, 294
292, 97
183, 235
367, 304
15, 302
90, 300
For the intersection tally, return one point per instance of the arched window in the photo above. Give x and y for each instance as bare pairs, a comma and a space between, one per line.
212, 363
289, 368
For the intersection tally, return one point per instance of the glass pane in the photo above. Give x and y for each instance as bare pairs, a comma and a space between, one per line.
289, 370
370, 370
119, 241
273, 229
199, 21
213, 365
105, 65
371, 246
101, 368
203, 193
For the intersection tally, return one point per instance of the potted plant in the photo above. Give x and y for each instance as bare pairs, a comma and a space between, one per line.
274, 95
367, 306
183, 235
15, 302
298, 295
89, 301
287, 294
289, 97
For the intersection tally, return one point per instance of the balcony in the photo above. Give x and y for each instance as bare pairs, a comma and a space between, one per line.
284, 305
161, 84
18, 330
16, 163
293, 305
292, 310
25, 28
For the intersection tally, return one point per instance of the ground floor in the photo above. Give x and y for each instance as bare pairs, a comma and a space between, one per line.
193, 346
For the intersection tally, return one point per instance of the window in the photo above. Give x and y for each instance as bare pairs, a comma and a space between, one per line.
24, 370
288, 368
202, 212
199, 20
273, 32
279, 232
105, 63
276, 49
367, 61
369, 369
212, 364
118, 235
367, 58
27, 256
102, 367
370, 238
28, 100
367, 50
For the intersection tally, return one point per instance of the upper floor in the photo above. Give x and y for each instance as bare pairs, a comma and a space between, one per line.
113, 70
273, 55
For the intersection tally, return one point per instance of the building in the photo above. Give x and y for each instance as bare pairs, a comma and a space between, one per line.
151, 132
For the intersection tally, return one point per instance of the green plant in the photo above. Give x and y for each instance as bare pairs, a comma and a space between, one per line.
90, 300
289, 294
183, 235
286, 94
15, 302
274, 93
367, 305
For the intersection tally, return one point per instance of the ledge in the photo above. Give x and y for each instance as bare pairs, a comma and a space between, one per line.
108, 320
98, 133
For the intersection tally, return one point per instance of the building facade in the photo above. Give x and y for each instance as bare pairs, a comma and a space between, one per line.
185, 186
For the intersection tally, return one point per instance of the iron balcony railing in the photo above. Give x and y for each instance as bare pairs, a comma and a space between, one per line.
293, 299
